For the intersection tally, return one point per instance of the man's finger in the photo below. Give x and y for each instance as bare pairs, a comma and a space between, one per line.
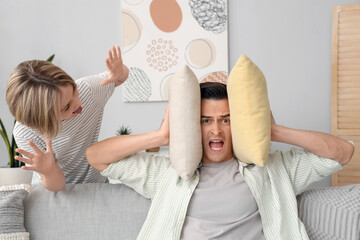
272, 117
167, 111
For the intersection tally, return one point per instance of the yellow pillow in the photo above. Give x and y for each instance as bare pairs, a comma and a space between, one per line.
249, 112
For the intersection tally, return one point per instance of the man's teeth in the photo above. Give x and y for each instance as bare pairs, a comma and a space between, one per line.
216, 148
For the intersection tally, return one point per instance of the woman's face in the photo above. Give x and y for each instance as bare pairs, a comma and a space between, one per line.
70, 104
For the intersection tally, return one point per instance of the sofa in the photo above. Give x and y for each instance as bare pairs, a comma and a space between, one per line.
114, 211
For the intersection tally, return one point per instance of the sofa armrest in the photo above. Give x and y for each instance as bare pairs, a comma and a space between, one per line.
85, 211
331, 213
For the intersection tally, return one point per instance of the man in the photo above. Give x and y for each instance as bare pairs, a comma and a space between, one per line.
225, 199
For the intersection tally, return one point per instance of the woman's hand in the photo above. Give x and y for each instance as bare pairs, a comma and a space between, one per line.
41, 162
44, 163
118, 71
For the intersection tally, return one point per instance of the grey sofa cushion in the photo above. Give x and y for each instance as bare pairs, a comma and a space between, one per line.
12, 211
85, 211
331, 213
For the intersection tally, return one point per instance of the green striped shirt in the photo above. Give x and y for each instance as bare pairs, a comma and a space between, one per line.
274, 186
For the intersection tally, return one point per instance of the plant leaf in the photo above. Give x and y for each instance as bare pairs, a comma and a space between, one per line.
51, 58
14, 153
7, 146
3, 128
124, 130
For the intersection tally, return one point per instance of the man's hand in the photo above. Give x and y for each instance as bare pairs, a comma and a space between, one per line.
41, 162
321, 144
103, 153
118, 71
273, 127
165, 128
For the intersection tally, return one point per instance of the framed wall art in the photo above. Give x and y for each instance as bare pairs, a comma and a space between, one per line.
159, 36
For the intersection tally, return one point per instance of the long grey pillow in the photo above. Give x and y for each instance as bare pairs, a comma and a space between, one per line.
185, 130
12, 211
85, 211
331, 213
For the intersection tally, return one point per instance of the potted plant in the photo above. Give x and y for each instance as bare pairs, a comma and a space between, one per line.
125, 130
13, 174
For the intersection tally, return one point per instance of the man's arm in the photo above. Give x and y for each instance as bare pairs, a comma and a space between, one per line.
102, 154
321, 144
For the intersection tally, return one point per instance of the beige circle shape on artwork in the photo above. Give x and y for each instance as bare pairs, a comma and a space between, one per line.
200, 53
165, 86
131, 30
133, 2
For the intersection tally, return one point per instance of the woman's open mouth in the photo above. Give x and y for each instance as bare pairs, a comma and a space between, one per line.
78, 111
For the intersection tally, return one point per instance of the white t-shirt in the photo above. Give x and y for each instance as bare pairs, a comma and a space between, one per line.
77, 133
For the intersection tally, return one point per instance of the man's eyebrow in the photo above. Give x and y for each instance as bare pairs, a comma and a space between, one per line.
222, 116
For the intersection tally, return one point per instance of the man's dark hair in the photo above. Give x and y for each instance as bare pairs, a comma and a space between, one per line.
213, 90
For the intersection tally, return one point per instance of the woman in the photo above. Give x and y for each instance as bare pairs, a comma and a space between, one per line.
58, 118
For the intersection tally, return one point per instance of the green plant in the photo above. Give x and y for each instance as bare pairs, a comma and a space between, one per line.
123, 130
11, 146
51, 58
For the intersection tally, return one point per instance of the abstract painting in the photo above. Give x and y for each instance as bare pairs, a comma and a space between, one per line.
159, 36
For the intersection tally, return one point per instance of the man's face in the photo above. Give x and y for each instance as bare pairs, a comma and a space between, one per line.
216, 133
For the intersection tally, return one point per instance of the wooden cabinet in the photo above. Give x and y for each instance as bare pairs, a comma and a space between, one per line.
345, 90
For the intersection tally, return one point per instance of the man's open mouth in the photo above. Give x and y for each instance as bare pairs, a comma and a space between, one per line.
216, 145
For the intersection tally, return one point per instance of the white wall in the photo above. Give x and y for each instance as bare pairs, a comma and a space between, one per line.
289, 40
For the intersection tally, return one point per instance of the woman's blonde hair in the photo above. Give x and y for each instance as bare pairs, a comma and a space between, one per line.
33, 95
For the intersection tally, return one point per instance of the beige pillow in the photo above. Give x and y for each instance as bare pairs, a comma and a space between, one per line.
249, 112
185, 131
